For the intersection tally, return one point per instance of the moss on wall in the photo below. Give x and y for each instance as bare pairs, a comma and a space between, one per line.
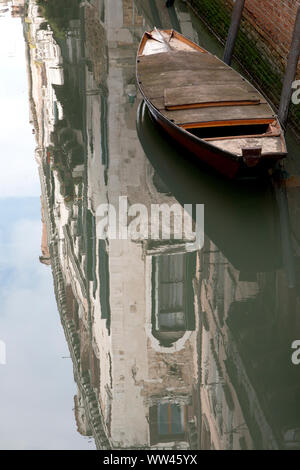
58, 13
249, 51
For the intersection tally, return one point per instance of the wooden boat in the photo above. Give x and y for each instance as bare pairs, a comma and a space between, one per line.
207, 107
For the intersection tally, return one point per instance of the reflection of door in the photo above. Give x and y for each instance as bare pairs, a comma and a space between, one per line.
167, 423
172, 292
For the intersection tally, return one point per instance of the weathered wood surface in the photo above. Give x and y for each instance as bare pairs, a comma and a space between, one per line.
154, 84
268, 144
178, 60
159, 72
189, 77
210, 93
224, 113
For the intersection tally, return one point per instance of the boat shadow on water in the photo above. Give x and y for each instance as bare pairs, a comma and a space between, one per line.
241, 217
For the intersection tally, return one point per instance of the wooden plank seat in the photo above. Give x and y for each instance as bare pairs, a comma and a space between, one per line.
208, 95
216, 116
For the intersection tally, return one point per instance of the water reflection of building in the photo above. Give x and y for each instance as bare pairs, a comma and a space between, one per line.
142, 382
133, 355
224, 424
250, 389
15, 7
158, 333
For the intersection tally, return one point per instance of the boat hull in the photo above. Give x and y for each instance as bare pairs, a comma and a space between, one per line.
217, 159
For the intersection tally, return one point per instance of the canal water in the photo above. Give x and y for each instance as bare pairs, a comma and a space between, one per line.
128, 341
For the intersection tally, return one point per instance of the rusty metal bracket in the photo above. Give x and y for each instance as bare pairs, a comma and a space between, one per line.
251, 156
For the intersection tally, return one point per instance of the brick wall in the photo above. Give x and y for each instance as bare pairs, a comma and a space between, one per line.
274, 21
263, 42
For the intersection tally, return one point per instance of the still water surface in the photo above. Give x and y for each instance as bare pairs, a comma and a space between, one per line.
170, 346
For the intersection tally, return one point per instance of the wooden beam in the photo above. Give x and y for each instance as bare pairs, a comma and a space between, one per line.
290, 74
233, 30
211, 95
238, 122
155, 14
211, 104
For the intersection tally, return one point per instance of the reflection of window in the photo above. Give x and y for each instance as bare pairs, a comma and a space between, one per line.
104, 282
167, 422
104, 132
172, 293
91, 248
95, 370
172, 321
102, 11
170, 419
